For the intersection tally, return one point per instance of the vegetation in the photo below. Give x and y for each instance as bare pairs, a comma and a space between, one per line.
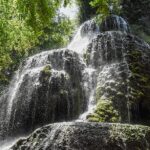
129, 132
104, 112
90, 8
106, 7
46, 74
47, 70
140, 95
27, 26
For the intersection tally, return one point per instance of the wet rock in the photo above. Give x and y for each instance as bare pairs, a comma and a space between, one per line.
114, 23
138, 15
48, 89
87, 136
122, 61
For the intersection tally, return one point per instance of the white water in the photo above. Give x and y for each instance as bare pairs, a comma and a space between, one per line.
128, 92
18, 80
70, 10
32, 67
34, 64
122, 22
85, 34
90, 86
7, 144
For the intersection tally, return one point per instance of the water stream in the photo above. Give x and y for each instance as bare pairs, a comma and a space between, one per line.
86, 32
66, 66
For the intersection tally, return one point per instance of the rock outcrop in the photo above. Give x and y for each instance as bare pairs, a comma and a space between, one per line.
138, 15
114, 23
122, 61
48, 88
87, 136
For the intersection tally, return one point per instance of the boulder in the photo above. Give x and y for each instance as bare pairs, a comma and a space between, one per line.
87, 136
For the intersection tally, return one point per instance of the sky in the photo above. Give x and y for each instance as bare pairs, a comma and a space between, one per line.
70, 11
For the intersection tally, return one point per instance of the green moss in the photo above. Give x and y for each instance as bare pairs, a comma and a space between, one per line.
129, 132
98, 93
46, 73
104, 112
139, 82
86, 56
47, 70
140, 78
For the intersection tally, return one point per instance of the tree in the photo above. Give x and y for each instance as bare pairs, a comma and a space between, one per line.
26, 25
106, 7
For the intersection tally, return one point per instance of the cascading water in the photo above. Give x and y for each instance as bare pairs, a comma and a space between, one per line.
62, 85
86, 32
115, 23
109, 57
90, 85
27, 83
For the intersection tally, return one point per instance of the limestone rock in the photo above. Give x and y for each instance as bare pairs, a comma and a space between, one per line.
87, 136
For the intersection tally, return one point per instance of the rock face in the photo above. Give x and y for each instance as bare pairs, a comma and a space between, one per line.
122, 61
136, 10
47, 88
87, 136
138, 15
114, 23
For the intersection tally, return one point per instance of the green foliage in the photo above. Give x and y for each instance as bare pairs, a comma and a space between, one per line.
104, 112
62, 28
37, 13
139, 75
25, 27
89, 8
106, 7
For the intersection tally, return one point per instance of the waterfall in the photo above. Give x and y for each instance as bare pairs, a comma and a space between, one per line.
90, 85
86, 32
6, 144
28, 82
62, 84
108, 56
115, 23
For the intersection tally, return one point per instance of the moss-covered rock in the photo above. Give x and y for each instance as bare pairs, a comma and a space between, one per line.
47, 70
139, 82
122, 61
104, 112
46, 73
